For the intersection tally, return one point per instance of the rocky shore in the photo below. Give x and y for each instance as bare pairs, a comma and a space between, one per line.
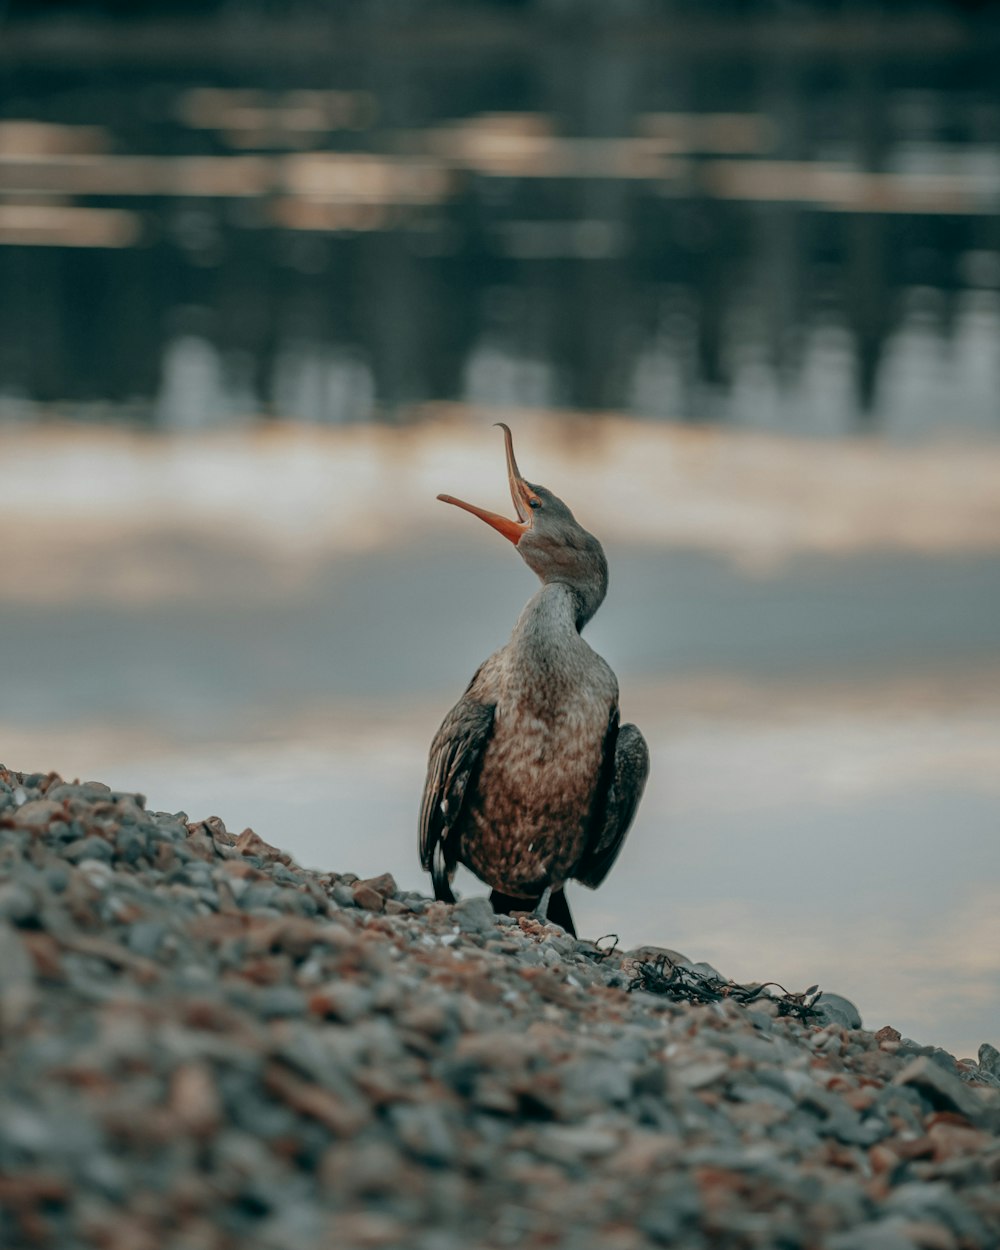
204, 1046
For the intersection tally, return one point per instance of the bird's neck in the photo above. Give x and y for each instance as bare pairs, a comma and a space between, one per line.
549, 623
548, 656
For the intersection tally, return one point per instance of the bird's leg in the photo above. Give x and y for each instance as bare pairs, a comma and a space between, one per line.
559, 913
541, 912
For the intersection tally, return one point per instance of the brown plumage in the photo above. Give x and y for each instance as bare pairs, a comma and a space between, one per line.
531, 781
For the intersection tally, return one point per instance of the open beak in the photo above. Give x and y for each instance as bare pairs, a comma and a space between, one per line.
520, 492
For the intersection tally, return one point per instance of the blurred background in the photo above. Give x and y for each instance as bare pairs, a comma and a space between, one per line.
730, 270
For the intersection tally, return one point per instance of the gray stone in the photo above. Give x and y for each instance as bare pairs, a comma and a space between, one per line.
943, 1059
989, 1059
146, 936
883, 1235
752, 1091
571, 1143
943, 1091
936, 1200
835, 1009
280, 1000
92, 847
342, 895
262, 898
342, 1000
36, 813
424, 1132
474, 915
700, 1074
762, 1020
17, 977
597, 1080
18, 903
660, 1222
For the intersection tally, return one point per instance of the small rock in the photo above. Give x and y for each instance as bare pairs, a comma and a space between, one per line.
835, 1009
37, 813
474, 915
17, 977
280, 1000
384, 884
989, 1059
146, 937
883, 1235
250, 843
425, 1133
92, 847
370, 1168
367, 897
342, 895
942, 1090
195, 1100
341, 1000
18, 903
568, 1143
700, 1074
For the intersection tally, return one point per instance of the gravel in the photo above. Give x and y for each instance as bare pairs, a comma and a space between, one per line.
203, 1045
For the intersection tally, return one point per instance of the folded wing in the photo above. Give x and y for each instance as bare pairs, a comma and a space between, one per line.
623, 779
455, 757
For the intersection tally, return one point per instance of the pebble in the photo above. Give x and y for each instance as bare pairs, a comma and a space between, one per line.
475, 915
89, 848
342, 895
989, 1059
204, 1045
942, 1090
835, 1009
18, 902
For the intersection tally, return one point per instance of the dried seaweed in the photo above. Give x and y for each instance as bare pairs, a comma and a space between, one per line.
684, 984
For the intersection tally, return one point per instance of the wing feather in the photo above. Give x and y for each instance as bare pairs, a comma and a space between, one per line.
623, 779
455, 756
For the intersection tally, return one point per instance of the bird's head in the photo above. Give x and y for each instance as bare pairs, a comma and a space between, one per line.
547, 536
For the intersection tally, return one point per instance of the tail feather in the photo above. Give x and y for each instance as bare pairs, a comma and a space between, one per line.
440, 876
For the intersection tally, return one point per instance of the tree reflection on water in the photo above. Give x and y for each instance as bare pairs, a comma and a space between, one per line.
784, 225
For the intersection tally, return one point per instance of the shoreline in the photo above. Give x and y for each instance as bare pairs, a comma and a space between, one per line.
206, 1044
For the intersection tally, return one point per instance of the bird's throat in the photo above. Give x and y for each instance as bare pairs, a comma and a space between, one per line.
546, 638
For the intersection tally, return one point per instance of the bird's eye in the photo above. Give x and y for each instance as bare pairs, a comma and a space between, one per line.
534, 503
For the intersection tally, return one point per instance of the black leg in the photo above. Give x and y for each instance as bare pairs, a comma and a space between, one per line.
559, 912
504, 904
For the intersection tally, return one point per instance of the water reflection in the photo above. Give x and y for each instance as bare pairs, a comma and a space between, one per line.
773, 234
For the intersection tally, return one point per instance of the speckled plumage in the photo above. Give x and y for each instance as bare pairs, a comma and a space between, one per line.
530, 781
526, 821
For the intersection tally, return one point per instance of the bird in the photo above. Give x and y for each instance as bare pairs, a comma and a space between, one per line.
531, 779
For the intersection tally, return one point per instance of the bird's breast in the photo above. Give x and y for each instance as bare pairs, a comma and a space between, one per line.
529, 817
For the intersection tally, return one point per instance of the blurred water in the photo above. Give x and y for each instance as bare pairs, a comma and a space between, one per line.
786, 224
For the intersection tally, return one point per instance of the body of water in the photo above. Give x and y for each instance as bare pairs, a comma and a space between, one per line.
784, 221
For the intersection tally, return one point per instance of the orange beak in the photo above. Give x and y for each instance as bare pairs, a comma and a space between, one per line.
520, 492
